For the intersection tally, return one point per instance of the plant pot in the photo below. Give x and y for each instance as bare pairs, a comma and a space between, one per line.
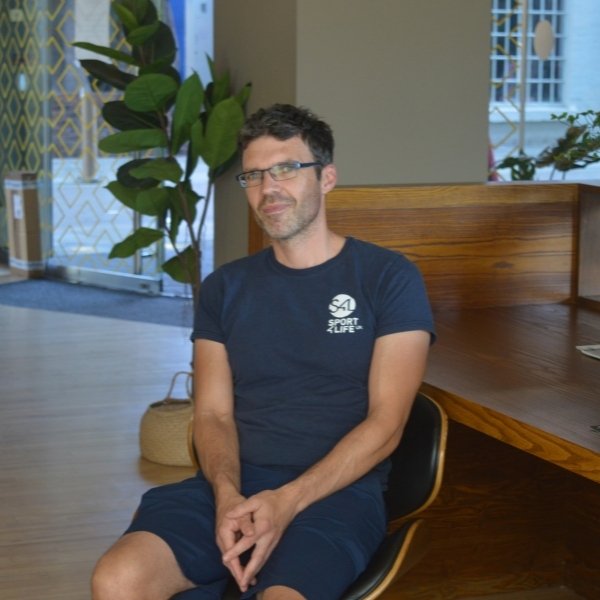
164, 428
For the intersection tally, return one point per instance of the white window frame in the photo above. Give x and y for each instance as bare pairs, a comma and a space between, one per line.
544, 79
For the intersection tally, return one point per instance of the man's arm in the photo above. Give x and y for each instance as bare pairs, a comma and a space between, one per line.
396, 372
397, 369
216, 441
215, 435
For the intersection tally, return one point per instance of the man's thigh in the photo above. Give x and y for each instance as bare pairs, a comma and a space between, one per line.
183, 516
323, 550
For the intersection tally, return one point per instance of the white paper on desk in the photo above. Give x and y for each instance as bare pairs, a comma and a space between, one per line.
592, 350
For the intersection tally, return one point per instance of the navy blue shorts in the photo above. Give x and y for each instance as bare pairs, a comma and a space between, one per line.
321, 553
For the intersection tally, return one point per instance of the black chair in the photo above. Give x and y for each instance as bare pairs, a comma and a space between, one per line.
414, 482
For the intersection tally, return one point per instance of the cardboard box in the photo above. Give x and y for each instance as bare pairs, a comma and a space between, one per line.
23, 216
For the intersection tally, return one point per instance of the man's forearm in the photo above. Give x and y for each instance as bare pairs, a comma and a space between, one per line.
215, 433
397, 368
355, 455
218, 452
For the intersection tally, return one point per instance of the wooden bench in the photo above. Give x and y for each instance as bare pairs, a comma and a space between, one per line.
476, 245
513, 274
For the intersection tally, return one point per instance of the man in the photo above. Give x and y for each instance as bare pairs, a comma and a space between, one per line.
307, 358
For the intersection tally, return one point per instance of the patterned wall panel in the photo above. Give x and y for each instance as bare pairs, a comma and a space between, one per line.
22, 90
50, 123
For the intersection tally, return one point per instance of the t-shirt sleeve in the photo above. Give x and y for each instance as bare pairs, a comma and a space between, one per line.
207, 318
402, 300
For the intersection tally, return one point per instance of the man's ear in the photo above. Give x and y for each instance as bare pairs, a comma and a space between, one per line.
328, 178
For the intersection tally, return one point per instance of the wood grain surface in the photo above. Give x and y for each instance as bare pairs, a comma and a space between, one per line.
476, 245
73, 389
506, 522
514, 373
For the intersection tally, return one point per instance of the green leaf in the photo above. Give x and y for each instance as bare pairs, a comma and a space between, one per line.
107, 73
223, 167
244, 94
218, 143
173, 224
109, 52
117, 114
126, 179
188, 103
222, 85
126, 16
183, 267
218, 88
211, 67
159, 49
126, 195
140, 238
169, 70
133, 140
522, 167
142, 34
196, 144
163, 169
183, 202
153, 202
191, 158
150, 92
144, 11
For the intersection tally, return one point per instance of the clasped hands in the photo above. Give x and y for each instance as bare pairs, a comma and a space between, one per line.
255, 523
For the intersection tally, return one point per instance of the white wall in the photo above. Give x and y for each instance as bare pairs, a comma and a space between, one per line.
582, 51
404, 85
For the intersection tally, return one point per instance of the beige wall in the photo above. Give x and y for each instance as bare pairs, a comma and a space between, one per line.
404, 85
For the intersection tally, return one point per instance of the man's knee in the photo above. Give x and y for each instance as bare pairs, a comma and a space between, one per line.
139, 565
280, 592
114, 577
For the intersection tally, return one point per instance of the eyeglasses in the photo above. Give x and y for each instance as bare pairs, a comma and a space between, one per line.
279, 172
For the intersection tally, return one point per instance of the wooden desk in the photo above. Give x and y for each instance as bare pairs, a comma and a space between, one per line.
514, 374
520, 503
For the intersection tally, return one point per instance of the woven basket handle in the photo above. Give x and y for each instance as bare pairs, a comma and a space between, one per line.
188, 385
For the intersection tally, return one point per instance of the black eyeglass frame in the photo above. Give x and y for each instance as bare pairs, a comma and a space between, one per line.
294, 164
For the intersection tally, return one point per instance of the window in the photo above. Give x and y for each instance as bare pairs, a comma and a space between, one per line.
544, 78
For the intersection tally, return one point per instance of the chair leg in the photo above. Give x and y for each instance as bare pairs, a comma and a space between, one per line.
400, 551
417, 544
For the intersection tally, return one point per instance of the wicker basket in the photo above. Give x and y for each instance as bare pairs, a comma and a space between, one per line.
164, 428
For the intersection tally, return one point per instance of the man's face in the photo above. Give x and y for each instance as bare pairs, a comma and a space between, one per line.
286, 209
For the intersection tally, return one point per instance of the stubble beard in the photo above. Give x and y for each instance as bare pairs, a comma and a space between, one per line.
296, 220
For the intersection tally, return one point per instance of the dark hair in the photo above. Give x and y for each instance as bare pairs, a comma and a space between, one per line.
285, 121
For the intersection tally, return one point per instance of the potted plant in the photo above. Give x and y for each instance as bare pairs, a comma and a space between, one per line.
158, 117
576, 149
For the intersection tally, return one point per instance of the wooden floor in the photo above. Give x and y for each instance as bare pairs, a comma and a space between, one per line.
72, 391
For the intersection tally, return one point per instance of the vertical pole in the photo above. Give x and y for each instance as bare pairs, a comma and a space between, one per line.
523, 73
89, 137
138, 266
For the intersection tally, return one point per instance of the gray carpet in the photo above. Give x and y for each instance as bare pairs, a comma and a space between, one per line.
87, 300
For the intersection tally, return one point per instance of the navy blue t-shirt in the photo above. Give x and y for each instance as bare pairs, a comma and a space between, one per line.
300, 341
